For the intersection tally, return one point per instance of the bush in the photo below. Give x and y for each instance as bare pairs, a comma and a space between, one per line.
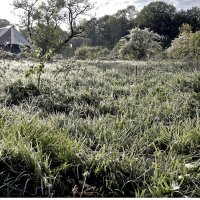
186, 46
140, 44
86, 52
8, 55
25, 52
19, 92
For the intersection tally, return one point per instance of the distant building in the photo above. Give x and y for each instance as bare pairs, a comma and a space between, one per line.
11, 39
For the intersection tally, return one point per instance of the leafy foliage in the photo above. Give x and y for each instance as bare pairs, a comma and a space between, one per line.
47, 37
157, 16
140, 44
87, 52
190, 16
106, 31
4, 22
41, 19
186, 46
8, 55
128, 13
19, 93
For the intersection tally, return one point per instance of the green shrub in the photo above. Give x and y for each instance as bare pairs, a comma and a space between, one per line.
8, 55
140, 44
19, 92
86, 52
186, 46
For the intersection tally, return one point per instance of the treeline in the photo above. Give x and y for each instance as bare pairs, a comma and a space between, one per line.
105, 33
4, 22
160, 17
153, 29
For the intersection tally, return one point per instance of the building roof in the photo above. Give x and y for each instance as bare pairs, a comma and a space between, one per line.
9, 35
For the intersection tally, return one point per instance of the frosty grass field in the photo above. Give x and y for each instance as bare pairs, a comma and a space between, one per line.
100, 129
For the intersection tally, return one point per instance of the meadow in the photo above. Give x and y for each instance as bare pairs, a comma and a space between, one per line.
100, 129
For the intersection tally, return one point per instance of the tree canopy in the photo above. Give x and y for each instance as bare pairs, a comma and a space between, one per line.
190, 16
42, 19
186, 46
140, 44
108, 30
39, 17
165, 20
4, 22
157, 16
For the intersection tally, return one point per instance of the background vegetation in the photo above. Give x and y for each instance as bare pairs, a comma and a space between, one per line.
160, 17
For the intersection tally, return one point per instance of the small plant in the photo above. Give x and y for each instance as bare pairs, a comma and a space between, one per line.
38, 70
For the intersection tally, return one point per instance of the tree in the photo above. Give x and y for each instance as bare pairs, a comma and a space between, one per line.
4, 22
50, 40
42, 19
191, 17
186, 46
179, 18
194, 46
140, 44
158, 17
107, 30
91, 31
128, 13
185, 28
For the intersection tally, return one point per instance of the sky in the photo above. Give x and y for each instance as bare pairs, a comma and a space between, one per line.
102, 7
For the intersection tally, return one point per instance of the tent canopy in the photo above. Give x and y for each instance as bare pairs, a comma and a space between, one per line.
9, 35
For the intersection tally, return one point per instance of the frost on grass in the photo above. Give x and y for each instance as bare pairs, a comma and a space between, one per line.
95, 129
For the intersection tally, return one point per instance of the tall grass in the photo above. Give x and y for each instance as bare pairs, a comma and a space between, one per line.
98, 130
